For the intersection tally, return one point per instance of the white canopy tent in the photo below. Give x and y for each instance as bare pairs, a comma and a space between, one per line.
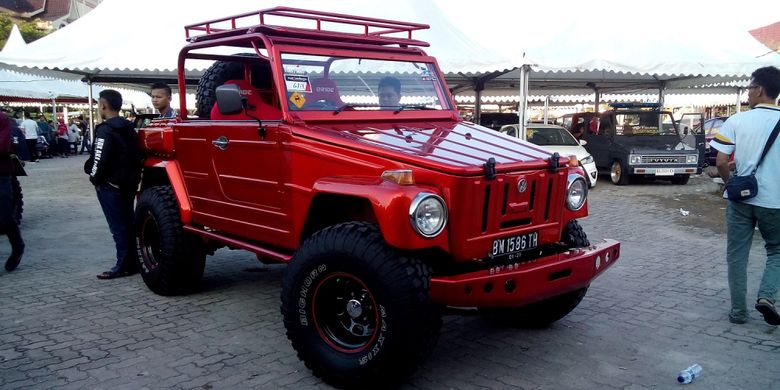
143, 46
15, 39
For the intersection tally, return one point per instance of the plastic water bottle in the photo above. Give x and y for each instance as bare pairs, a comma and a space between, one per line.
689, 374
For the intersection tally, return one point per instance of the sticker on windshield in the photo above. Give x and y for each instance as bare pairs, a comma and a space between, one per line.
297, 99
426, 76
296, 83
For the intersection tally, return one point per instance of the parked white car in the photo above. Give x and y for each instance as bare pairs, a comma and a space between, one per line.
557, 139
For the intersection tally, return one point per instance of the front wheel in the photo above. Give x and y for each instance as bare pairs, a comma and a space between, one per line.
536, 315
172, 261
573, 235
618, 173
356, 310
680, 180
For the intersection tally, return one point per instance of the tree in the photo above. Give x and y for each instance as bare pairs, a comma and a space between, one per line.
30, 29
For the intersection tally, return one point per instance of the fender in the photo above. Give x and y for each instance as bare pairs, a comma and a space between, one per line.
390, 203
173, 171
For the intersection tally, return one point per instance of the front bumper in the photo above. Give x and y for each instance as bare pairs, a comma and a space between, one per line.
592, 173
664, 171
515, 285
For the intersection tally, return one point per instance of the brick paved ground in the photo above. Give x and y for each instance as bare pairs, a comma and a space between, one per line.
661, 308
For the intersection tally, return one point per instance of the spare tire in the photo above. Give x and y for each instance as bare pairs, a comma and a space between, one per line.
222, 71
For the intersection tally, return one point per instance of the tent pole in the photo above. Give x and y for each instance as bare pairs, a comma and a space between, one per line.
91, 108
477, 104
739, 100
546, 109
523, 104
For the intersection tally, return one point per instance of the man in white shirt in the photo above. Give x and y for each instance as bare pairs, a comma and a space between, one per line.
30, 130
745, 135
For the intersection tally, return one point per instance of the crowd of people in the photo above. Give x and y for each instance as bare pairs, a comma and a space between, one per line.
49, 139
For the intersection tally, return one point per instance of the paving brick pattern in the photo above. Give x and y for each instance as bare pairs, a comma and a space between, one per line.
662, 307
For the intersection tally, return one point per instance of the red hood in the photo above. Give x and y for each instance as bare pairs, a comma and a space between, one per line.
460, 148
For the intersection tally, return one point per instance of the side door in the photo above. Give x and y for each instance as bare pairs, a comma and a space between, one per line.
247, 163
599, 139
694, 121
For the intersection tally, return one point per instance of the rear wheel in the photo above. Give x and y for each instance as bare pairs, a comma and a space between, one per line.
356, 310
619, 173
171, 260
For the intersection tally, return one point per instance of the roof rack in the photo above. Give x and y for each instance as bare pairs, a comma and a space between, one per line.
324, 22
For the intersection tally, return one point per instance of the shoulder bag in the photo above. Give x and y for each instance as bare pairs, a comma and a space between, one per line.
741, 188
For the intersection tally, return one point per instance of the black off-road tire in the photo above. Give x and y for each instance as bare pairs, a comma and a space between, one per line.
618, 173
573, 235
356, 310
171, 260
537, 315
218, 74
681, 180
18, 199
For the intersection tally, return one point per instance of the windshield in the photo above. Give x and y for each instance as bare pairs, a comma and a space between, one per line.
550, 136
645, 123
321, 83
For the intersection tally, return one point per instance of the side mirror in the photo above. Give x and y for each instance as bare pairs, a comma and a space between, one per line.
583, 142
229, 99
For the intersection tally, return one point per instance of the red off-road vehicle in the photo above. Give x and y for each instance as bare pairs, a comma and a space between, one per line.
386, 213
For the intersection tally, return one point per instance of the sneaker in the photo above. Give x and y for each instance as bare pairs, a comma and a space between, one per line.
737, 319
14, 259
767, 309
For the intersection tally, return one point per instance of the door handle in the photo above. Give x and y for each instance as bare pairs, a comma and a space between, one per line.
221, 143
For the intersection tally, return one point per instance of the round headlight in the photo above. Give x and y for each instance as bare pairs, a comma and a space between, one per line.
428, 214
576, 192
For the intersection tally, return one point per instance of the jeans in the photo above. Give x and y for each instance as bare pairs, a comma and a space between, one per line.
8, 224
741, 221
118, 208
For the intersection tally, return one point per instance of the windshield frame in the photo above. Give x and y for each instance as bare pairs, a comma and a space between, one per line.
441, 90
622, 129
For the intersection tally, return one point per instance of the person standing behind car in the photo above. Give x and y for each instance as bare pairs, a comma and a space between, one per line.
161, 100
62, 139
8, 223
73, 137
745, 134
115, 170
30, 129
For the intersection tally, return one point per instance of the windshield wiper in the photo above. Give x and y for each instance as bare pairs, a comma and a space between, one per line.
348, 105
412, 107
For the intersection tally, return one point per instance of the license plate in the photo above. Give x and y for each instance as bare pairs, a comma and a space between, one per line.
515, 244
664, 172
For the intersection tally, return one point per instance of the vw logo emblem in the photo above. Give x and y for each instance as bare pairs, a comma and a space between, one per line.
522, 185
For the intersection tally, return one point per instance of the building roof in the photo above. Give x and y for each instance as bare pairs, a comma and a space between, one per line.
22, 6
45, 9
768, 35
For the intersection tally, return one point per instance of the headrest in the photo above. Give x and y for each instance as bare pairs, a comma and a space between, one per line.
253, 100
324, 89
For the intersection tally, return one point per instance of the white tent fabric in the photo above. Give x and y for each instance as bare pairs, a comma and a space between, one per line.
15, 39
39, 87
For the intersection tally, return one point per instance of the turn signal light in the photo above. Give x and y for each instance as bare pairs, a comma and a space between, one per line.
573, 162
402, 177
